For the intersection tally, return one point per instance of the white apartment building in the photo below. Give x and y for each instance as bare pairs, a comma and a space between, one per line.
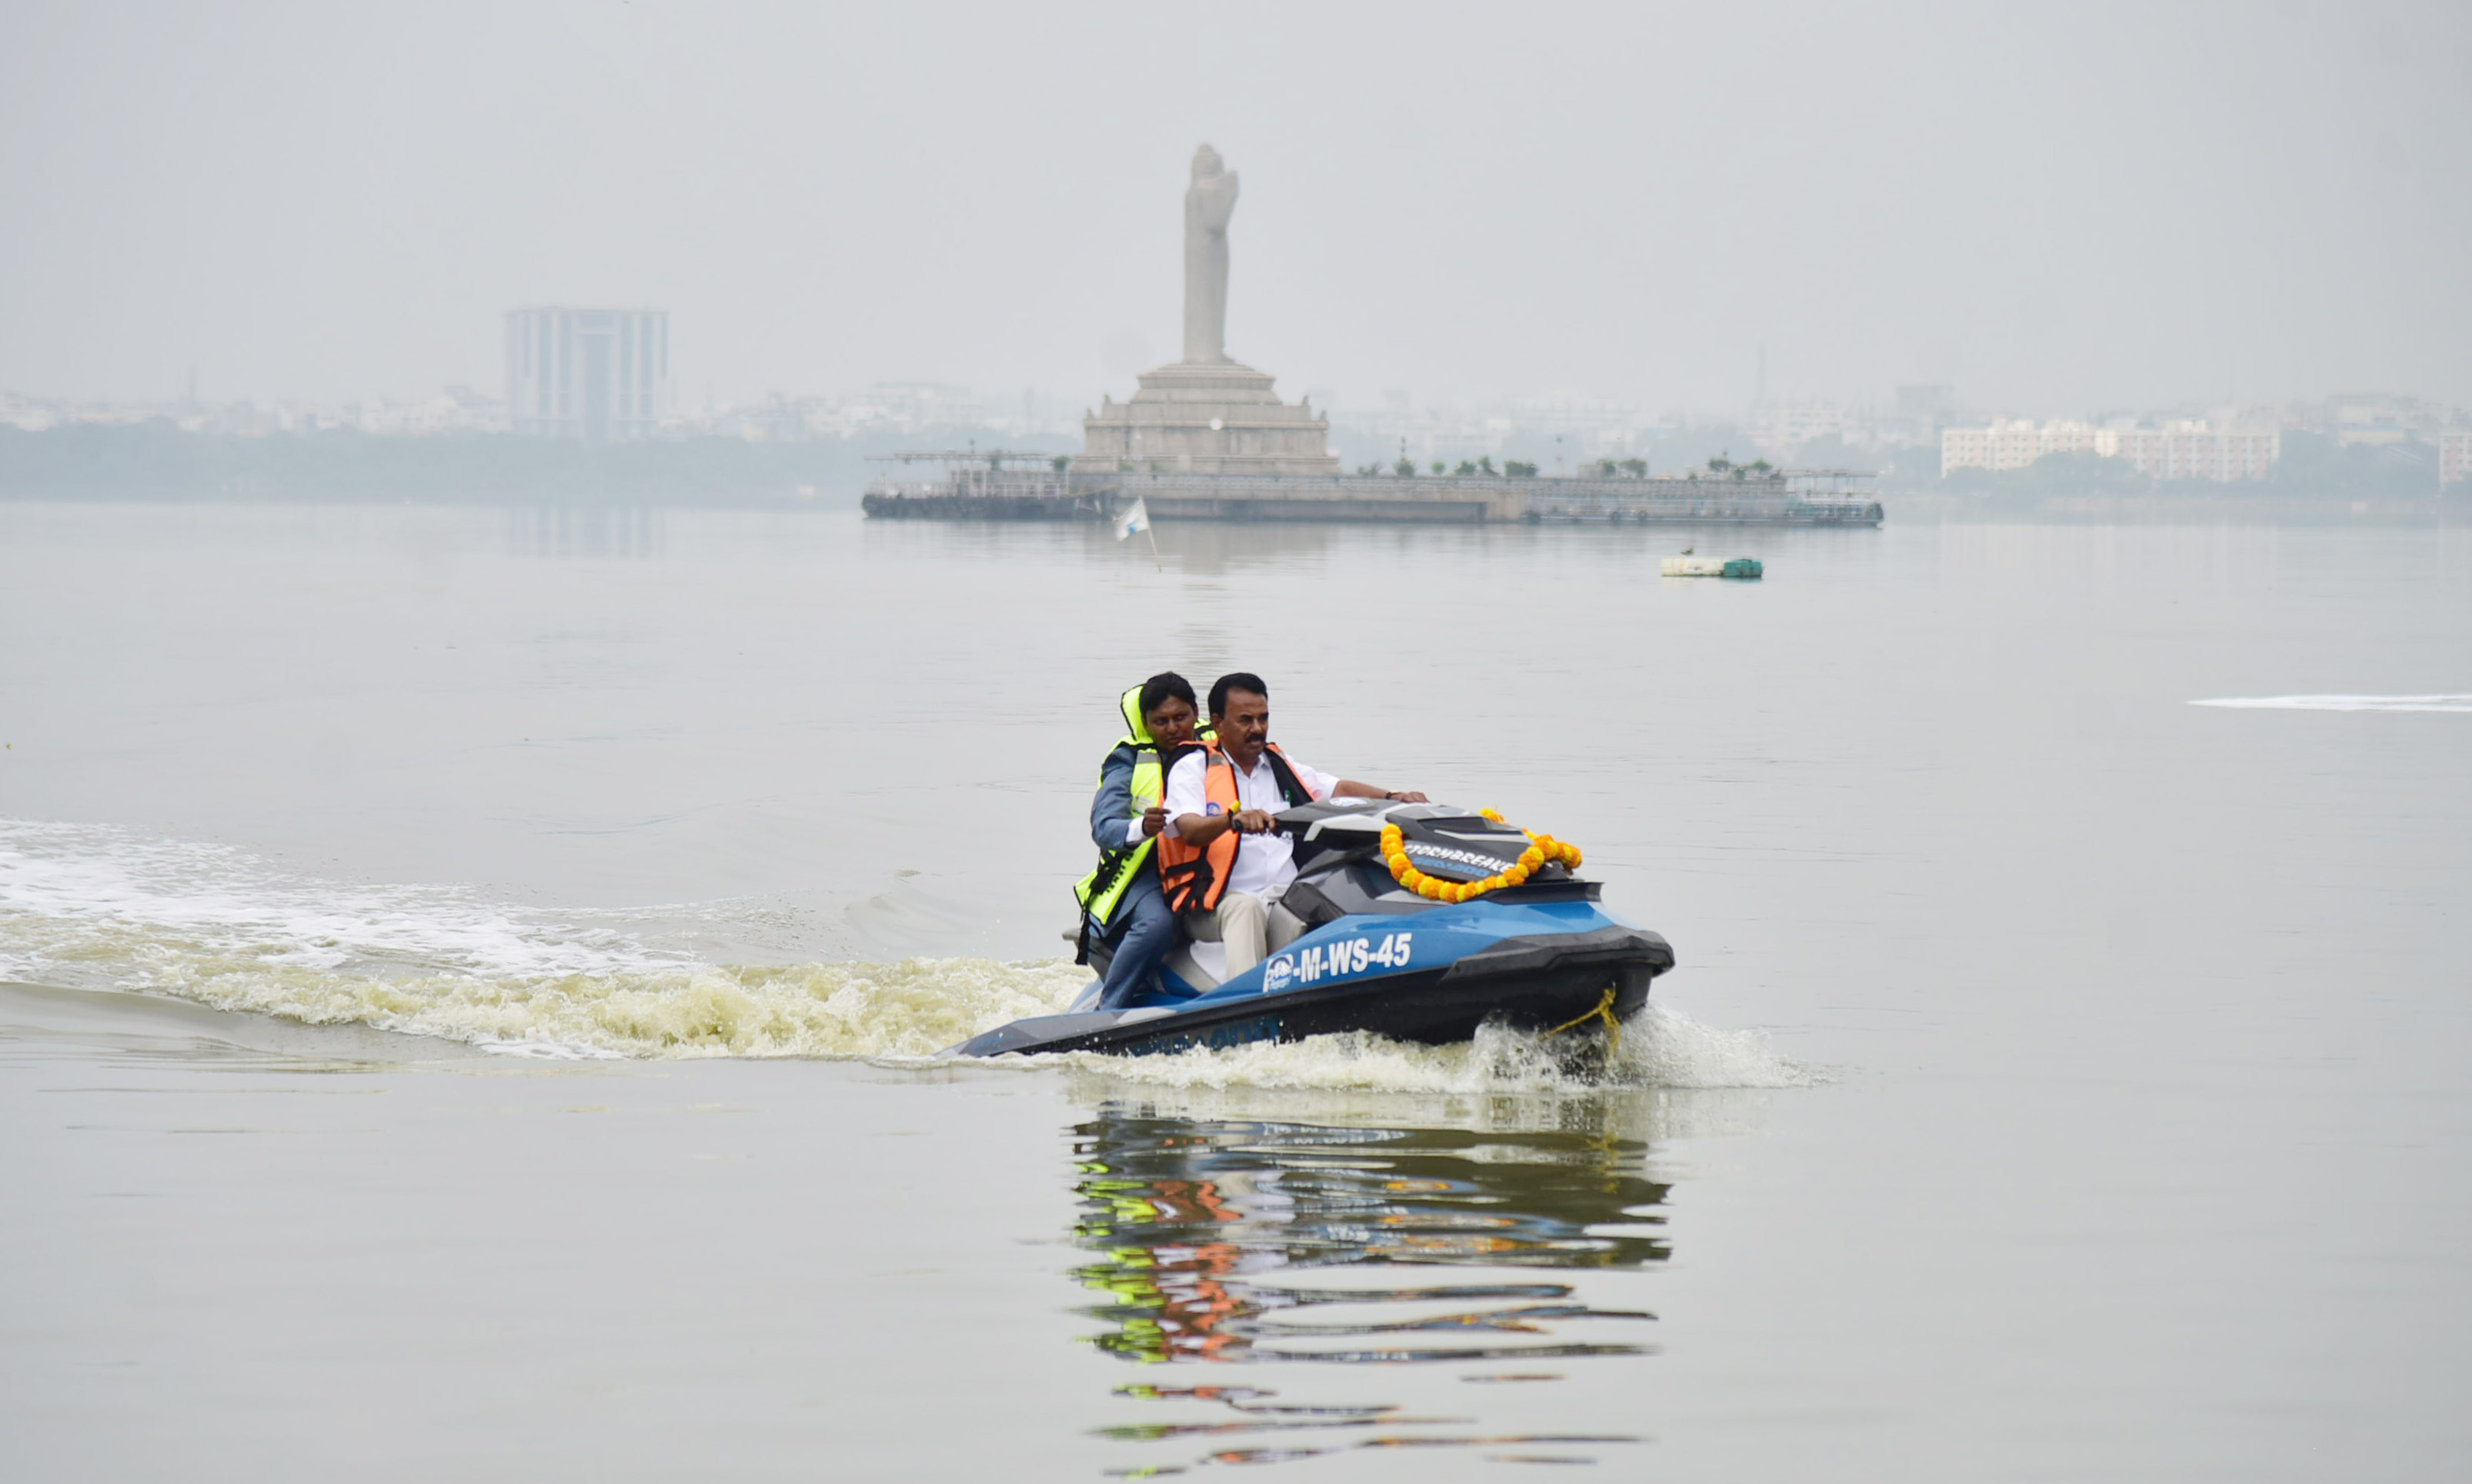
2008, 443
1781, 430
2186, 449
2454, 456
595, 374
2191, 450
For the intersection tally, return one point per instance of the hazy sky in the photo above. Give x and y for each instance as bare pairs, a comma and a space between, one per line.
2056, 207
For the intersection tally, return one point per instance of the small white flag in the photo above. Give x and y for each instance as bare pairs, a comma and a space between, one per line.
1136, 516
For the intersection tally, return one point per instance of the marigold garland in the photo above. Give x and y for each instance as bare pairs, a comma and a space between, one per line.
1542, 849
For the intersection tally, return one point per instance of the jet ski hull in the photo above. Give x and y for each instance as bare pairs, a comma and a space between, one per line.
1529, 981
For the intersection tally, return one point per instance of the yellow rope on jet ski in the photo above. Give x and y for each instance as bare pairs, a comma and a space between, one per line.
1605, 1009
1542, 849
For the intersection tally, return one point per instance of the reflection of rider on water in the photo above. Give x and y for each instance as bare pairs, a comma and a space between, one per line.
1199, 1227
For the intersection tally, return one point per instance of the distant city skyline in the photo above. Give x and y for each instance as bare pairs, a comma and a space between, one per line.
1562, 431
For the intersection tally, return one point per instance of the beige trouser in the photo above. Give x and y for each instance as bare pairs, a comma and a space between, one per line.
1246, 927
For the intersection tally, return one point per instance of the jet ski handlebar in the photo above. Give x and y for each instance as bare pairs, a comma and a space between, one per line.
1450, 843
1303, 818
1304, 815
1281, 823
1298, 821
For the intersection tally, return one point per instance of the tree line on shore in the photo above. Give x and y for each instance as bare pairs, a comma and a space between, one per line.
160, 460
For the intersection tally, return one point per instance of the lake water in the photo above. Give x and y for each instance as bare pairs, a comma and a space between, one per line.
471, 975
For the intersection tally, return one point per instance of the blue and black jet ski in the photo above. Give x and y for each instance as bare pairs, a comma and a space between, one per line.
1373, 955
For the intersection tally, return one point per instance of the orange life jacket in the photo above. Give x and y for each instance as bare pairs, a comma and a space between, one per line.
1196, 876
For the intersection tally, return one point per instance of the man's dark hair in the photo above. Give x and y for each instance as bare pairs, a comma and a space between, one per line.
1159, 687
1240, 680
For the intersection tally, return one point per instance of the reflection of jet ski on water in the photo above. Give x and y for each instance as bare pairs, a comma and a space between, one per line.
1382, 947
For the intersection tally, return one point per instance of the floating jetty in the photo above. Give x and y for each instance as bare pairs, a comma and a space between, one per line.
1001, 486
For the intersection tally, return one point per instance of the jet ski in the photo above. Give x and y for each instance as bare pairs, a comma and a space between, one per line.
1372, 954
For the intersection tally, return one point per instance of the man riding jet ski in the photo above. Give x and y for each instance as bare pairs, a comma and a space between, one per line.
1220, 792
1398, 916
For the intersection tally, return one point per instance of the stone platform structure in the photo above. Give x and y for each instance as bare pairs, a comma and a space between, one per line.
1205, 419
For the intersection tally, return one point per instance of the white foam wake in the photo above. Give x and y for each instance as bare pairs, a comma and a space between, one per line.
1661, 1046
2340, 702
90, 906
77, 881
85, 906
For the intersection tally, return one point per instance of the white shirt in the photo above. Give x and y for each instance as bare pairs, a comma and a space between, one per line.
1264, 862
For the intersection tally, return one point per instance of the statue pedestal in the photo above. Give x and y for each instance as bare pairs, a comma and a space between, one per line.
1205, 419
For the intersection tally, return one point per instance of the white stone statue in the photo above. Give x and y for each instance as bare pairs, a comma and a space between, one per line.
1207, 206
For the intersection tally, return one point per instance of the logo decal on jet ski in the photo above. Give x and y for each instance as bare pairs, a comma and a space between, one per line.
1336, 961
1426, 856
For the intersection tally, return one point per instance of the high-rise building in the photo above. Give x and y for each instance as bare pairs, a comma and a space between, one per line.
595, 374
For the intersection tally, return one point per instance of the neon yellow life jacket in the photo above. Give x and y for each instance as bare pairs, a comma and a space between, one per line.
1098, 892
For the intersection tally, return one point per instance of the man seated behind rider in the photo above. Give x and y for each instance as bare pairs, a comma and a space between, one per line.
1122, 899
1223, 861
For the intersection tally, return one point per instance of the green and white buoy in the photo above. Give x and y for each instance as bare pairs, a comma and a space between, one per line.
1708, 567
